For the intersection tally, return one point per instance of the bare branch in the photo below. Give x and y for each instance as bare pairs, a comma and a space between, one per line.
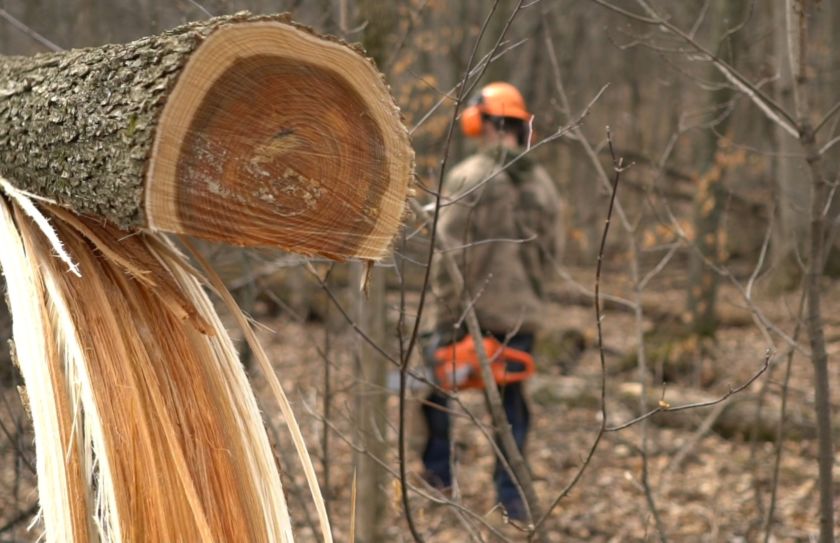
738, 27
406, 354
771, 109
628, 14
664, 407
691, 444
659, 265
591, 153
201, 8
29, 31
780, 430
700, 18
826, 118
723, 272
20, 518
617, 167
757, 97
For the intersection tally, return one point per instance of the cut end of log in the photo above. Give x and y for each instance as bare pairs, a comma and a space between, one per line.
273, 136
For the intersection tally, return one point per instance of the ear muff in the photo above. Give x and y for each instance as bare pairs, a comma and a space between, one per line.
471, 122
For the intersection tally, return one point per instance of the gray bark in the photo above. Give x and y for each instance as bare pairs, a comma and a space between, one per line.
797, 13
710, 198
373, 424
816, 334
790, 234
371, 420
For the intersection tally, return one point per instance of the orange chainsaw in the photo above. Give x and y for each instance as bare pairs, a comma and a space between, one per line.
457, 365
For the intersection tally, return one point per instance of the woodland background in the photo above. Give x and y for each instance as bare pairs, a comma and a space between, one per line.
704, 268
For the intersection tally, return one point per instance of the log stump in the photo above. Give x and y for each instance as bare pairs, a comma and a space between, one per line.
246, 130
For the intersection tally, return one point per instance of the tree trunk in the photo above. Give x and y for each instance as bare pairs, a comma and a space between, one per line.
710, 197
371, 420
797, 15
790, 234
240, 129
498, 70
379, 20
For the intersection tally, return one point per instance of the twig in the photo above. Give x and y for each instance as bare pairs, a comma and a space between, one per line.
724, 272
628, 14
694, 440
29, 31
581, 138
327, 404
771, 109
639, 285
14, 439
780, 430
617, 167
353, 324
476, 72
651, 503
22, 516
463, 89
738, 27
200, 7
664, 407
659, 266
700, 18
567, 277
352, 506
395, 53
826, 117
408, 487
829, 144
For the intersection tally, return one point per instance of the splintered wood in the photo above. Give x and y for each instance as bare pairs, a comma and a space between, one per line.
247, 130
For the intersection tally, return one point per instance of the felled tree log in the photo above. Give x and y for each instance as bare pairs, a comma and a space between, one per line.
247, 130
242, 129
738, 418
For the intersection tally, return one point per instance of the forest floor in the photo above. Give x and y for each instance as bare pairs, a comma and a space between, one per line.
705, 486
718, 489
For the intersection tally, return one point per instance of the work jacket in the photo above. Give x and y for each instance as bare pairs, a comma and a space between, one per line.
502, 227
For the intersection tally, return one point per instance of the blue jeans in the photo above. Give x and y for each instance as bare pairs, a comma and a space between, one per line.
436, 455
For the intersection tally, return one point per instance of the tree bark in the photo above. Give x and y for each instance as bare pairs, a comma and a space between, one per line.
815, 327
790, 235
797, 14
711, 195
379, 20
239, 129
371, 418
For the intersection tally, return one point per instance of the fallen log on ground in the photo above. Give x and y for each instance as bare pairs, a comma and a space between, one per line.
652, 308
738, 418
249, 130
246, 130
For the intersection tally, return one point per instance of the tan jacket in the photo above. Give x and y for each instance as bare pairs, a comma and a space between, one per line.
505, 235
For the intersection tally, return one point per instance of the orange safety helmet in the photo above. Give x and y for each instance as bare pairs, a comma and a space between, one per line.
498, 99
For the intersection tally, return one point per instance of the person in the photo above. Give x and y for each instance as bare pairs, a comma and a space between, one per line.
501, 220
